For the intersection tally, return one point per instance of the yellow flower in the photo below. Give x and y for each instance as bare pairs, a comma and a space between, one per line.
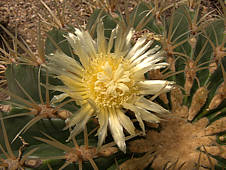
108, 80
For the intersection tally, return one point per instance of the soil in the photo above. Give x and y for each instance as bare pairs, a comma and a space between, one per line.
24, 15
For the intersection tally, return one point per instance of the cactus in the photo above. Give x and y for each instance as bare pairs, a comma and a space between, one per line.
167, 66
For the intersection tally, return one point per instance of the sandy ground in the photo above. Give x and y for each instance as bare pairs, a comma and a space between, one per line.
26, 14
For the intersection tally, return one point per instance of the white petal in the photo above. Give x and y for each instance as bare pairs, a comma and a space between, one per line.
111, 40
79, 33
91, 44
148, 54
80, 126
137, 114
144, 68
147, 116
116, 130
71, 39
141, 123
102, 131
80, 115
122, 41
63, 62
83, 45
128, 38
149, 105
119, 40
148, 61
86, 42
149, 67
80, 120
72, 81
58, 88
138, 44
81, 53
154, 86
155, 57
101, 42
144, 114
58, 98
126, 122
140, 51
71, 76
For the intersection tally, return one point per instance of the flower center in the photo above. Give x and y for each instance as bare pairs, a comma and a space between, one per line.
109, 81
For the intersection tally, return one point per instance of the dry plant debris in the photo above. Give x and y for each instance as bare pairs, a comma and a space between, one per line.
137, 163
179, 142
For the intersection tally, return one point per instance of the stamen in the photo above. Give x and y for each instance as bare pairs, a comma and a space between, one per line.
110, 84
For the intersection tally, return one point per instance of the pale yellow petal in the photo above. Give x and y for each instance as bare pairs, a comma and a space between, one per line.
72, 83
69, 62
140, 121
138, 44
149, 61
148, 116
140, 51
92, 46
59, 98
111, 41
87, 44
119, 40
149, 54
61, 63
83, 46
149, 105
81, 53
103, 121
128, 38
80, 115
137, 114
126, 122
141, 59
71, 38
154, 86
144, 114
116, 130
107, 69
143, 70
101, 42
80, 125
57, 88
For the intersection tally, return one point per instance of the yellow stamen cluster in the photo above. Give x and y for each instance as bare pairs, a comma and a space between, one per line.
109, 81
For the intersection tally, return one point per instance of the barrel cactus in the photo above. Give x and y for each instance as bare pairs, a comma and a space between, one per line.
138, 89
